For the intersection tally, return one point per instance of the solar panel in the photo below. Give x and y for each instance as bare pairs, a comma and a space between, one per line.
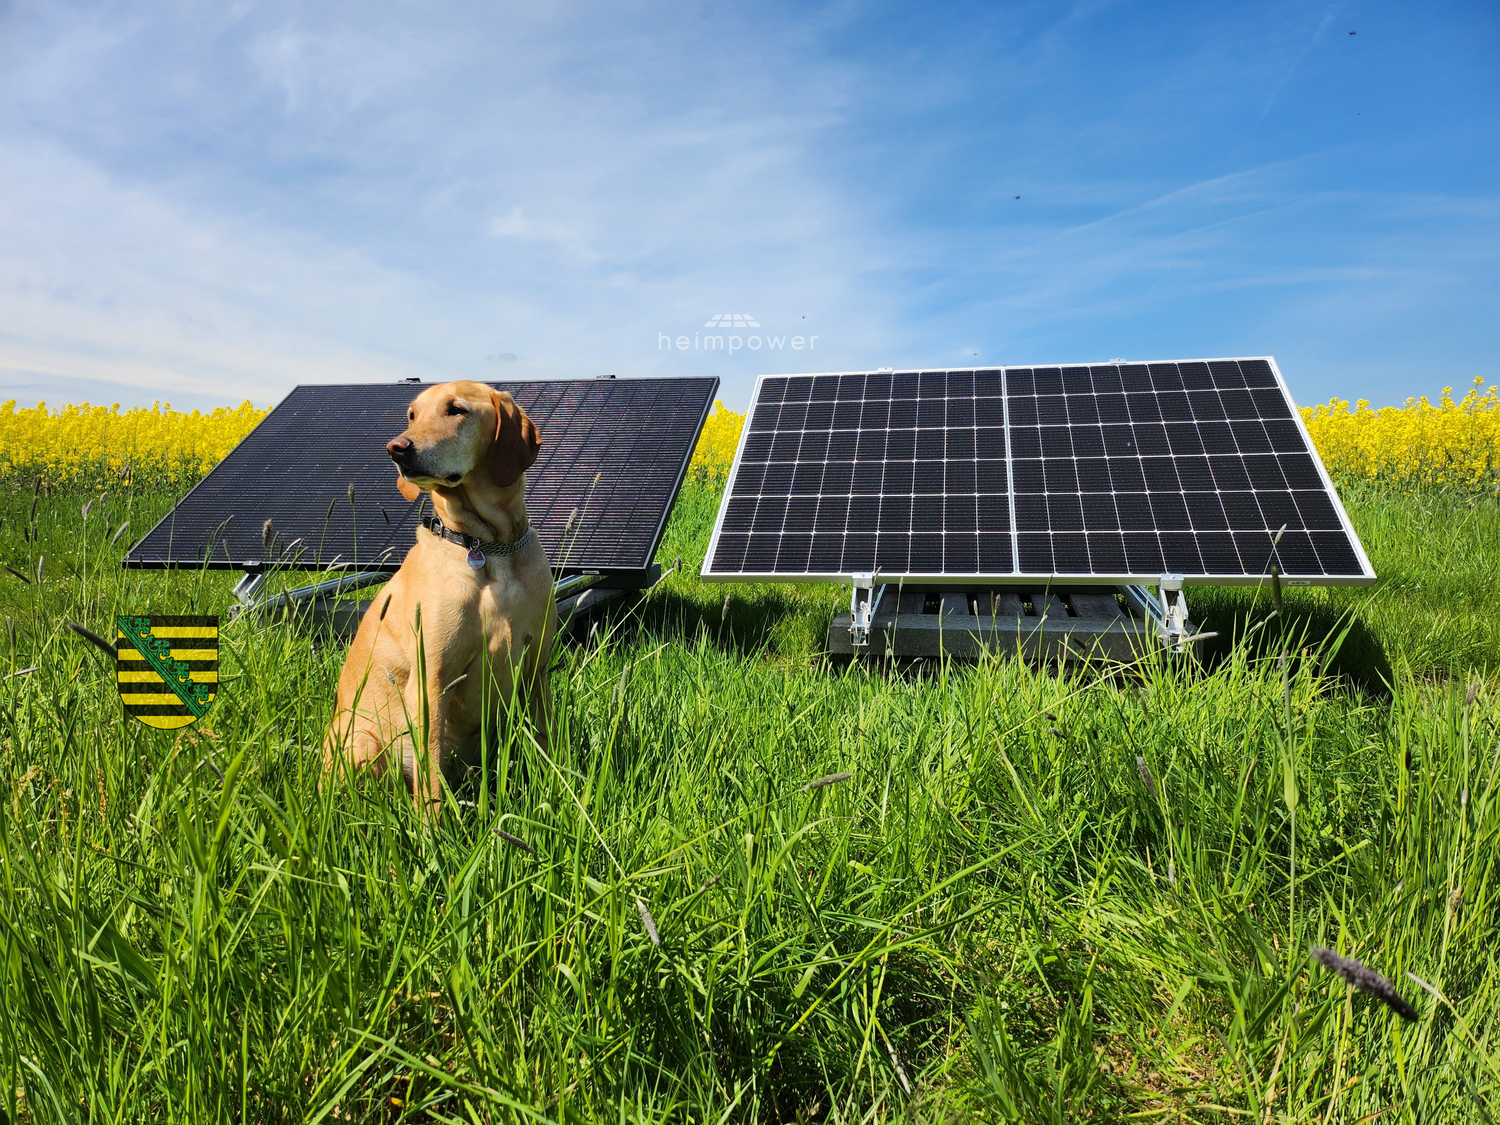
613, 456
1105, 473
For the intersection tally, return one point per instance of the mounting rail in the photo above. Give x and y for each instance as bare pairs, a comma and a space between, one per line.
1040, 622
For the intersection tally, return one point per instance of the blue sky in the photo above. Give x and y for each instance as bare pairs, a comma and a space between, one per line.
206, 203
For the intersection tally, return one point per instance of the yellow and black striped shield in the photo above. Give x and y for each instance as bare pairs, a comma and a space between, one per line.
167, 668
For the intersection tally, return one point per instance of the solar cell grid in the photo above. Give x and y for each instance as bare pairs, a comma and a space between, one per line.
1111, 471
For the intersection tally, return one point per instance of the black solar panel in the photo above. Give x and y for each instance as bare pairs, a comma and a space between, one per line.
1107, 473
613, 456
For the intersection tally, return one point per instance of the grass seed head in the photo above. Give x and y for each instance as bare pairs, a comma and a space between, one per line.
514, 841
830, 779
265, 535
1366, 979
1145, 771
93, 638
649, 923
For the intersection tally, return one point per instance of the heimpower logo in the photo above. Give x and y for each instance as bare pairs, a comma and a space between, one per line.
703, 341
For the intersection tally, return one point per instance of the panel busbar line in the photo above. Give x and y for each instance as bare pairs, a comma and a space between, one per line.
1098, 473
613, 457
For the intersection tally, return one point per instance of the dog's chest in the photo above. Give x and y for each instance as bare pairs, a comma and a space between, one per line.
511, 608
499, 597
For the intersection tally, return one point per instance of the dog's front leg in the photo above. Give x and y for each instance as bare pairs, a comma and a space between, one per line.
539, 704
427, 710
537, 682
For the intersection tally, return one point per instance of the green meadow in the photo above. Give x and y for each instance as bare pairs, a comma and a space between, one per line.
1039, 894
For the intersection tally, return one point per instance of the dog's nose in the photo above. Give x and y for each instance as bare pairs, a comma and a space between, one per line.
399, 448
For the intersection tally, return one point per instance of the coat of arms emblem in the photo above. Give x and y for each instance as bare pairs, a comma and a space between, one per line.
167, 668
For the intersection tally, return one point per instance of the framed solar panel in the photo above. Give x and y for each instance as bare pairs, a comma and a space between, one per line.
1086, 474
313, 487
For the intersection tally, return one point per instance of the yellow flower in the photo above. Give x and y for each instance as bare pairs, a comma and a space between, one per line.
1418, 444
156, 445
717, 444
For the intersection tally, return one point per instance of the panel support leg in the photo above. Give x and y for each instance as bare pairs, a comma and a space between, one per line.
864, 601
248, 588
1172, 601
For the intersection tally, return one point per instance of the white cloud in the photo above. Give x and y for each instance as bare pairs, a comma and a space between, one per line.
108, 283
566, 237
232, 200
337, 71
271, 198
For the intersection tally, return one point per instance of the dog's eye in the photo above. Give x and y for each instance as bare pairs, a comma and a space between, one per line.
456, 408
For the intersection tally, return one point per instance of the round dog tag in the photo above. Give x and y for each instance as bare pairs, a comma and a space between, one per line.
476, 558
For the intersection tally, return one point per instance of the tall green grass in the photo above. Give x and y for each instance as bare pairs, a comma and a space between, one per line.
1436, 608
1039, 896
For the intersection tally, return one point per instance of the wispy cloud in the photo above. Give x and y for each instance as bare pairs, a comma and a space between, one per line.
565, 236
1306, 48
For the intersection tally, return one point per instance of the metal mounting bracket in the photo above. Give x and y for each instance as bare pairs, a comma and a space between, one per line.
249, 587
1172, 601
864, 601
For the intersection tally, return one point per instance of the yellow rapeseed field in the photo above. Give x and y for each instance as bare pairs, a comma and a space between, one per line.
85, 442
716, 445
1455, 443
1450, 443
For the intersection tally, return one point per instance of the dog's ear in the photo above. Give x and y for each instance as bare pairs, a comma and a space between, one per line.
514, 447
406, 488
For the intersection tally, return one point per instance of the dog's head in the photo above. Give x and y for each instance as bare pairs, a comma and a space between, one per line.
455, 430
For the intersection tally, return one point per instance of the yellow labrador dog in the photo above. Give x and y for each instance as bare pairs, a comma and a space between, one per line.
475, 593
